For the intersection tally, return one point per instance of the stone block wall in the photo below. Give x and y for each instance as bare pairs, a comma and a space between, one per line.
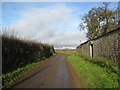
107, 45
83, 49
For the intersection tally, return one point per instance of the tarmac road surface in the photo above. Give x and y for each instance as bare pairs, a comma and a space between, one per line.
57, 73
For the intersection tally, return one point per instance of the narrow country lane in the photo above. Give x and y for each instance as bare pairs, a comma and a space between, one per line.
58, 73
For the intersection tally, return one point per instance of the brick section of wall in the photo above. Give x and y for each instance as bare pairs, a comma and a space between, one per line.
107, 45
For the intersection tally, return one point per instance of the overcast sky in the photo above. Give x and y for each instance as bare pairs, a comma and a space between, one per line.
48, 22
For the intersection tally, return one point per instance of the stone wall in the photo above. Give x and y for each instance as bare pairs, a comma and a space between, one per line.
83, 48
107, 45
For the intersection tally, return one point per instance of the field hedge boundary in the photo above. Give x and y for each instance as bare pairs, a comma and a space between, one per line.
18, 53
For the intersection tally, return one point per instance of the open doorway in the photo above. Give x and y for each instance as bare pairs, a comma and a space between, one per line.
91, 50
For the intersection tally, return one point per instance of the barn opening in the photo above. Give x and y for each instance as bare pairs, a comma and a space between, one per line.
91, 50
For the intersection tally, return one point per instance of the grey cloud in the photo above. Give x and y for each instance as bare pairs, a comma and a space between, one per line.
50, 25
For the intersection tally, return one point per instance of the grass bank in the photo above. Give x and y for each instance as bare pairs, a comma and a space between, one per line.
110, 65
93, 75
11, 77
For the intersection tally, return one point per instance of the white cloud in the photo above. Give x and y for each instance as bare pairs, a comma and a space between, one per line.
55, 25
60, 0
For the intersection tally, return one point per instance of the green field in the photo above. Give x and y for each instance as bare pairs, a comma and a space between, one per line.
67, 53
93, 75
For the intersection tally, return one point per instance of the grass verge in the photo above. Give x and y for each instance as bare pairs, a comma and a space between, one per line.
9, 78
92, 75
110, 65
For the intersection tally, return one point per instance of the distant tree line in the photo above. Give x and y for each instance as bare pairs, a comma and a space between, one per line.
99, 21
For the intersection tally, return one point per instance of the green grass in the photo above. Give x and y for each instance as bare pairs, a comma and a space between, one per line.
110, 65
67, 53
11, 77
93, 75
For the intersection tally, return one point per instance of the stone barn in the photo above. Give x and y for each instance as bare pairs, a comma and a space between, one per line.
107, 45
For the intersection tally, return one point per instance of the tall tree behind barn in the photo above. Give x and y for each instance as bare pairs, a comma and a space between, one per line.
99, 21
102, 44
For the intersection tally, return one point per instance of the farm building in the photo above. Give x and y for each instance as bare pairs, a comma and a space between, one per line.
107, 45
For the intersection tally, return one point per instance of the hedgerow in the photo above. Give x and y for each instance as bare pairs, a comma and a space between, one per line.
19, 56
17, 53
